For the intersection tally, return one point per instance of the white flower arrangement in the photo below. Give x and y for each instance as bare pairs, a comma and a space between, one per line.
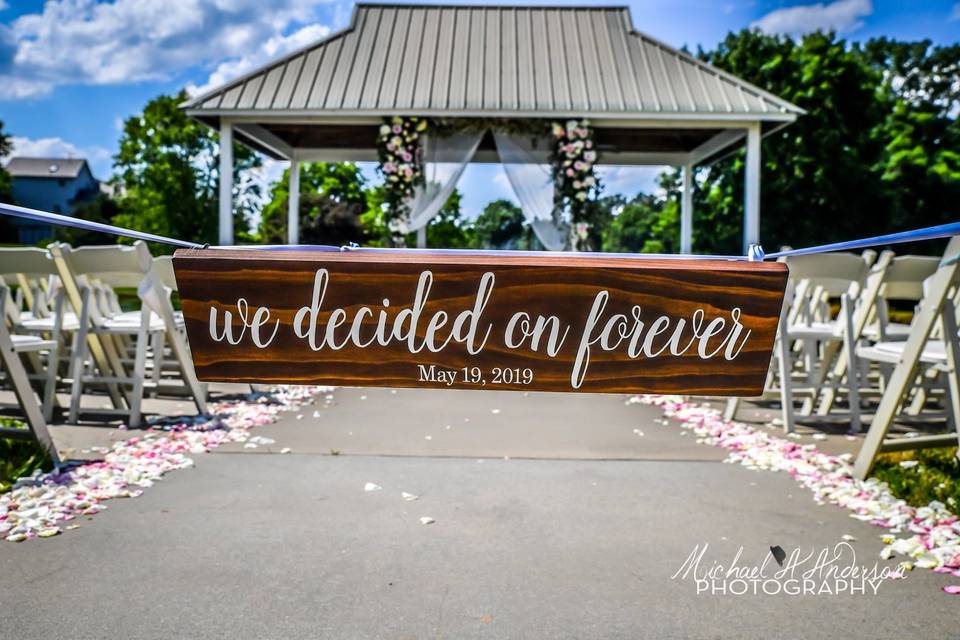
574, 161
398, 147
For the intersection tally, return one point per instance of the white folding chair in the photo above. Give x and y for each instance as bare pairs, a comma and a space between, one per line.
936, 312
807, 325
89, 274
40, 329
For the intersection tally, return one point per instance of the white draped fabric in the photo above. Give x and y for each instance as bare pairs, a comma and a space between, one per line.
526, 163
444, 160
528, 170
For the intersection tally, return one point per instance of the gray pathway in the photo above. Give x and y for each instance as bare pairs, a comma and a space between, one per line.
272, 546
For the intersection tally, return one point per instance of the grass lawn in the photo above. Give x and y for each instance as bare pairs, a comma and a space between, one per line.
922, 476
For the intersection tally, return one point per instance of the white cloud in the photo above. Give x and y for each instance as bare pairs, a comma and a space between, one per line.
3, 5
629, 180
955, 13
840, 16
125, 41
98, 157
272, 48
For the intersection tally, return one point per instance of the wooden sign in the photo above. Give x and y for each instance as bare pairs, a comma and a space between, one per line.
589, 323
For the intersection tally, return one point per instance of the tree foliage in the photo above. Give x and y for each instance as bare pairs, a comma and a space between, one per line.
6, 146
500, 225
332, 199
877, 151
168, 171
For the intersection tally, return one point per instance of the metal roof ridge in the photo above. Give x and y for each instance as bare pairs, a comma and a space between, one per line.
492, 5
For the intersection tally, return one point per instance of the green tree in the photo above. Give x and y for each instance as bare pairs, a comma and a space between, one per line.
645, 224
374, 218
816, 179
168, 171
8, 232
101, 209
6, 187
920, 160
447, 230
501, 225
332, 201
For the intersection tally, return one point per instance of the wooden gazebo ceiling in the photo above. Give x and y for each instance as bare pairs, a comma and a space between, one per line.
358, 140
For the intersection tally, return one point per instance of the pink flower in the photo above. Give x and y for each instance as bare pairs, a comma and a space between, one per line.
397, 128
389, 167
408, 172
569, 173
952, 589
590, 156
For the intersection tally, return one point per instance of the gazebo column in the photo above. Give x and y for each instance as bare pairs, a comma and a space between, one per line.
751, 191
686, 211
422, 237
293, 204
226, 183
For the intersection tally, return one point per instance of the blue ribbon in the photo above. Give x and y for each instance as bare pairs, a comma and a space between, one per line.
928, 233
756, 253
79, 223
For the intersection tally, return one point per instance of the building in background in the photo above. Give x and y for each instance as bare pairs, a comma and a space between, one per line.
57, 185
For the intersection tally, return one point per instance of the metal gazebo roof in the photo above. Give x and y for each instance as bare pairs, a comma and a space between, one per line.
492, 61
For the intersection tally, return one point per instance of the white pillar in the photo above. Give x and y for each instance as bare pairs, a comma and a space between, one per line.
293, 204
422, 237
226, 183
751, 189
686, 211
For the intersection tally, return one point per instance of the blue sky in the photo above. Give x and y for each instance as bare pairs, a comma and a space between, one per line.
72, 70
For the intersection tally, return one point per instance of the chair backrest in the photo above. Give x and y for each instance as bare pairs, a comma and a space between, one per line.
832, 273
28, 261
30, 269
115, 265
163, 267
905, 276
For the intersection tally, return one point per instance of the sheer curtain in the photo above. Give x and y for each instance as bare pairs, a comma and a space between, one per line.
527, 166
444, 160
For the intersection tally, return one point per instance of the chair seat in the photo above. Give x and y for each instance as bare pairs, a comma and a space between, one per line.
127, 325
815, 331
134, 317
934, 352
893, 332
23, 343
70, 323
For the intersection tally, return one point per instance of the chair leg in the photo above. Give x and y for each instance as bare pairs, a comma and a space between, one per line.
786, 384
78, 368
157, 345
730, 413
949, 324
139, 367
853, 379
24, 392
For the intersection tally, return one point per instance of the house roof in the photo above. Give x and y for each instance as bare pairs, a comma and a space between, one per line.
21, 167
492, 61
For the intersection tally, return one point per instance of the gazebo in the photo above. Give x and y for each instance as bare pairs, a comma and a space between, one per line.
648, 103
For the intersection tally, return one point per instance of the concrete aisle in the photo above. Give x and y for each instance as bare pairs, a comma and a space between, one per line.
248, 545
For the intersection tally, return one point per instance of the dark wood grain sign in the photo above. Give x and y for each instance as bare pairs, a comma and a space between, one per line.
589, 323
